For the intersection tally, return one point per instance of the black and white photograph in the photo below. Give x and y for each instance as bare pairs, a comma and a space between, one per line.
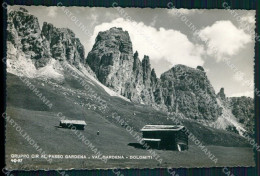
104, 88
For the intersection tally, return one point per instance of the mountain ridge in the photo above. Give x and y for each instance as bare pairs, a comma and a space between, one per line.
140, 84
181, 89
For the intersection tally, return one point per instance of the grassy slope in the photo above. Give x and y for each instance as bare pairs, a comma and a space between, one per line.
40, 122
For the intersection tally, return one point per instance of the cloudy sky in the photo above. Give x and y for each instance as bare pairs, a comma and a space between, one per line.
167, 37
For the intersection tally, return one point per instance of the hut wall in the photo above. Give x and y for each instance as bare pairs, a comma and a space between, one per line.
169, 139
66, 125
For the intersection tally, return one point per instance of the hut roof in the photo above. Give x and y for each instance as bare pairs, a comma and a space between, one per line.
162, 128
76, 122
150, 139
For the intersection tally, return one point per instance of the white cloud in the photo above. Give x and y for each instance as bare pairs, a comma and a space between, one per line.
224, 39
175, 12
247, 23
247, 94
154, 20
52, 11
248, 18
170, 45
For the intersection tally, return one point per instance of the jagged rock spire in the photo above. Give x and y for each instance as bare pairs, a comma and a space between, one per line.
221, 94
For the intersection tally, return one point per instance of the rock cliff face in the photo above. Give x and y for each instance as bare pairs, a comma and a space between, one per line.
23, 31
111, 59
243, 110
221, 94
63, 44
115, 65
181, 89
26, 40
188, 91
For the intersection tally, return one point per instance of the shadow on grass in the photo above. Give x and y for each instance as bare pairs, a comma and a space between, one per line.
57, 126
136, 145
140, 146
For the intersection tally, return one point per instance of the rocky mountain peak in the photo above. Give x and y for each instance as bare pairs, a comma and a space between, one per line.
116, 30
221, 94
38, 46
63, 43
23, 9
114, 39
136, 54
243, 109
146, 68
146, 62
189, 91
111, 58
110, 47
24, 22
200, 68
181, 89
153, 74
137, 62
23, 31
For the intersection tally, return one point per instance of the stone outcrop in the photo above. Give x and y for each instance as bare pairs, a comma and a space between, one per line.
115, 65
63, 44
243, 109
188, 91
221, 94
181, 89
42, 45
23, 31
